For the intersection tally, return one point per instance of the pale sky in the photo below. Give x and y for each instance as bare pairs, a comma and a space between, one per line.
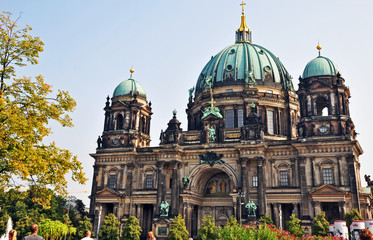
90, 45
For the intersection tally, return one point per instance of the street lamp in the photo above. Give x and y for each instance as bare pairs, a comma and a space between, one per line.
241, 196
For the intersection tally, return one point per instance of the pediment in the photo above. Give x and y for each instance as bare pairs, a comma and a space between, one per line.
107, 192
318, 84
327, 189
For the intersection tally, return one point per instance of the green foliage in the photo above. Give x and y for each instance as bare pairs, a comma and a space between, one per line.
23, 226
53, 230
232, 221
110, 229
352, 215
208, 230
84, 226
4, 218
320, 226
267, 220
132, 229
178, 230
26, 108
294, 226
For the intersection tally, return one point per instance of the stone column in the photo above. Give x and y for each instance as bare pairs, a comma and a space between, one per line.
175, 189
93, 189
103, 173
293, 172
316, 207
261, 186
339, 162
303, 186
342, 209
276, 213
350, 158
121, 178
296, 209
161, 189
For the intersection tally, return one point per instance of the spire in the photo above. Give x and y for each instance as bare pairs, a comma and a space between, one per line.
319, 48
243, 34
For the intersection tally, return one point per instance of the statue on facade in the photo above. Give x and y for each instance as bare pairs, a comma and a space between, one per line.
367, 179
164, 208
99, 142
186, 181
191, 90
208, 82
212, 133
251, 209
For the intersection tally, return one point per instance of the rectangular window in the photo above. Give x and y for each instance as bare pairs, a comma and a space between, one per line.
229, 118
240, 118
284, 181
270, 122
112, 181
149, 181
255, 181
327, 174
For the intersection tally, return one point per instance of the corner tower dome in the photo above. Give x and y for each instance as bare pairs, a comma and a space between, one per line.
244, 63
320, 66
129, 87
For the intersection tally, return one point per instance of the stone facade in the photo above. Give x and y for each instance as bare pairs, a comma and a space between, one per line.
247, 140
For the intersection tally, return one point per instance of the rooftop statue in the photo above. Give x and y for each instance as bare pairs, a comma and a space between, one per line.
186, 181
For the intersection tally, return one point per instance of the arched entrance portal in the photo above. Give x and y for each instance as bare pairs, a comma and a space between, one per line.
213, 192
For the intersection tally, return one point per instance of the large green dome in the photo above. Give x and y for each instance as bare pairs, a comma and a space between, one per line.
129, 88
320, 66
242, 63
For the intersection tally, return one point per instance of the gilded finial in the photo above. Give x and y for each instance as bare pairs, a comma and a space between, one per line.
132, 71
319, 48
243, 7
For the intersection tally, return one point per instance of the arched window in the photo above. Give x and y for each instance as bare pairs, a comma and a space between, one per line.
322, 106
119, 122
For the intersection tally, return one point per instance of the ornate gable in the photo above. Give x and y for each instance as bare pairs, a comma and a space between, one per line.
107, 192
327, 190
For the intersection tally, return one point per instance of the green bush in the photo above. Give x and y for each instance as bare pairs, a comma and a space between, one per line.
208, 230
178, 230
321, 225
132, 229
110, 228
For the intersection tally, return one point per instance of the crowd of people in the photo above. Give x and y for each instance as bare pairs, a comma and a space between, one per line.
34, 234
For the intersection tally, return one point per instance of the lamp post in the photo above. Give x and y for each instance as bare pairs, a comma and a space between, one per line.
241, 196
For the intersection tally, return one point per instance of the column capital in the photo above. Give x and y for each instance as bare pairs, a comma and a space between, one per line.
160, 164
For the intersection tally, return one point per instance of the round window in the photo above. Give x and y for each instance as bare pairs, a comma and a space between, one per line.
323, 129
267, 68
229, 67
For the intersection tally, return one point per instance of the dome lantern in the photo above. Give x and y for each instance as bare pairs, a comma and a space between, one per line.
243, 34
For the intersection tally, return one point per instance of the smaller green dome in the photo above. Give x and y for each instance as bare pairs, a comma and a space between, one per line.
129, 88
320, 66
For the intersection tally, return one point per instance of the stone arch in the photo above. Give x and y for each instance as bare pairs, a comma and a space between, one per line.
201, 173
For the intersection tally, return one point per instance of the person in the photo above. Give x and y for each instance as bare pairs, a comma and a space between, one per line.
365, 234
88, 235
151, 236
355, 234
34, 233
12, 234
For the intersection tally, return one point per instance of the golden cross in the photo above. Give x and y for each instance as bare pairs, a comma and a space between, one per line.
243, 6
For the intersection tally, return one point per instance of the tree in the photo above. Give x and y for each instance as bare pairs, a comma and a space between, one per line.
178, 230
352, 215
84, 226
208, 230
51, 230
26, 108
265, 219
132, 229
294, 226
321, 225
110, 228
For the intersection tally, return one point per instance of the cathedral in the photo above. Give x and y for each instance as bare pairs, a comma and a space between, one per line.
251, 140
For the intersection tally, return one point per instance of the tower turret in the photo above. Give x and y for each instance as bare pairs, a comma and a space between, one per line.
324, 100
127, 118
